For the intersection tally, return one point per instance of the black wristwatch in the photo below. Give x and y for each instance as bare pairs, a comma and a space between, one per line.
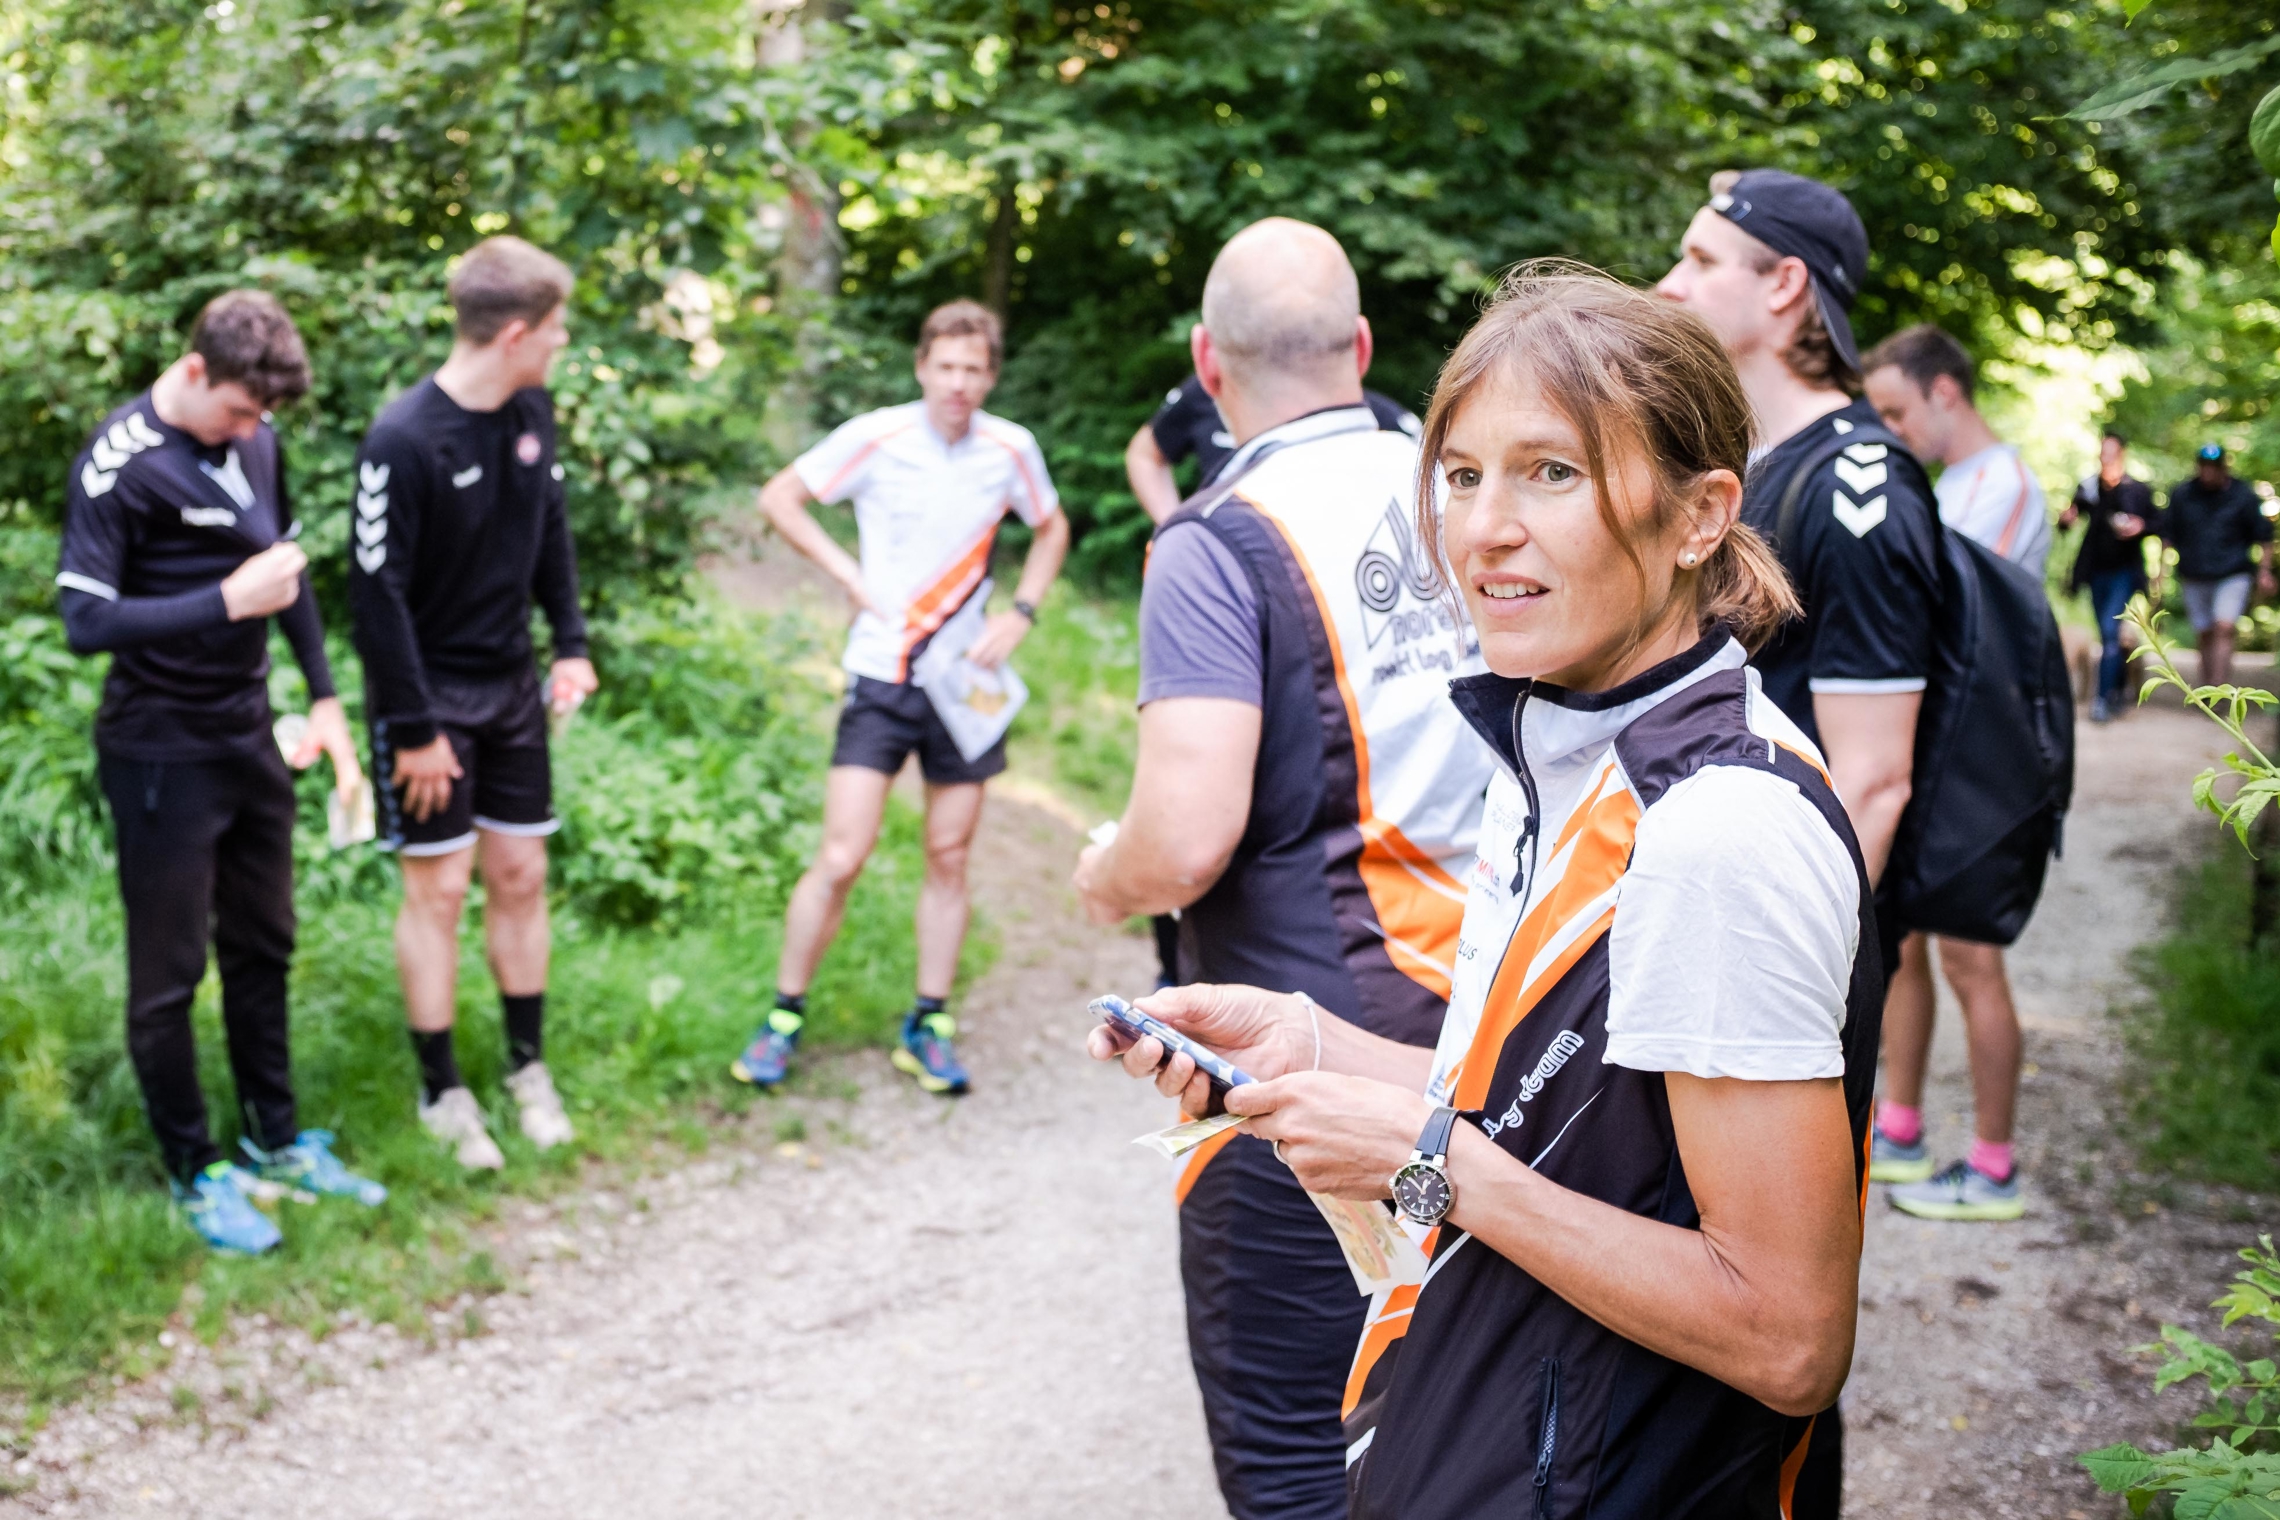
1422, 1189
1026, 609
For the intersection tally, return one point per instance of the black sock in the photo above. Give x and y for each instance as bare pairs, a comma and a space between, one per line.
927, 1005
792, 1002
526, 1020
439, 1066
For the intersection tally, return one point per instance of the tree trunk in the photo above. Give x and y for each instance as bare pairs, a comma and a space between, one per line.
807, 265
997, 250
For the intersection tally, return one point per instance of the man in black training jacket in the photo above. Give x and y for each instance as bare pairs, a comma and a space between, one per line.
2214, 521
2110, 564
460, 523
176, 553
1773, 265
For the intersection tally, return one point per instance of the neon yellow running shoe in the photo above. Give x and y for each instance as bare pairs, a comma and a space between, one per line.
1961, 1191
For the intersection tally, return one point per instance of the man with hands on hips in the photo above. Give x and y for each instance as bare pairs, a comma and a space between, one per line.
176, 554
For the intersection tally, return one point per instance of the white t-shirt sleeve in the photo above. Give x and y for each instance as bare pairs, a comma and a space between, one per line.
1734, 936
833, 469
1034, 498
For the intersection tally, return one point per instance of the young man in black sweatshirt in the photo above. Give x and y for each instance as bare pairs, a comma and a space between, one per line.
460, 524
177, 552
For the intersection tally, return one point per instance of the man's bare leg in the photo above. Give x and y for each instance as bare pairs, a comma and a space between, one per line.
1909, 1012
1981, 986
516, 933
854, 801
427, 936
2216, 655
952, 815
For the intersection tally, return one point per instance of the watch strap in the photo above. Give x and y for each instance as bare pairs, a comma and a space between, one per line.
1433, 1143
1026, 609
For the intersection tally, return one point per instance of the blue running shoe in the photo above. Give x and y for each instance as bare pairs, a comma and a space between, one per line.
1890, 1161
768, 1059
220, 1209
927, 1054
309, 1164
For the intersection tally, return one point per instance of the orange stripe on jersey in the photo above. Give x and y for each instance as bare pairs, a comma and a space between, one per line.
1420, 907
1792, 1465
931, 608
1198, 1159
1602, 853
1390, 1325
1805, 755
831, 487
1028, 481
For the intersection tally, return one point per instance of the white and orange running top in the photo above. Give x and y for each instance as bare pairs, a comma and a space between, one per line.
927, 512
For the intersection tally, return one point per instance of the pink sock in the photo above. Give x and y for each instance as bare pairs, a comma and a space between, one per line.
1901, 1124
1992, 1158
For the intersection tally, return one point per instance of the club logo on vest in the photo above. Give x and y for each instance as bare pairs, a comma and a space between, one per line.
526, 448
1400, 612
1564, 1044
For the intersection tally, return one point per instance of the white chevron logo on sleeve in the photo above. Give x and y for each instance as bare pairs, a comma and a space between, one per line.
95, 482
372, 558
369, 531
369, 505
1859, 478
1866, 453
373, 477
142, 432
1858, 517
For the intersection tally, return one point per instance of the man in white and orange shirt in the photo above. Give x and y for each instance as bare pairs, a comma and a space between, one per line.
930, 480
1922, 382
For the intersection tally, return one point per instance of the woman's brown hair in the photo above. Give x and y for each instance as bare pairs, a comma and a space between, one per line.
1628, 370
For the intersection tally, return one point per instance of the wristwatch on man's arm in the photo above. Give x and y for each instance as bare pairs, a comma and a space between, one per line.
1422, 1189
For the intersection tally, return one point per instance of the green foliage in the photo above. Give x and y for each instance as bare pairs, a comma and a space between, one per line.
1086, 163
158, 153
2212, 369
2257, 778
2237, 1477
1080, 728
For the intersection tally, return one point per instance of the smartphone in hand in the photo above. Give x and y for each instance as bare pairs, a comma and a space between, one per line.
1135, 1026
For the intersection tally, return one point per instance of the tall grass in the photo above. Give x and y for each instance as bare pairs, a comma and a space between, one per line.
2208, 1044
690, 793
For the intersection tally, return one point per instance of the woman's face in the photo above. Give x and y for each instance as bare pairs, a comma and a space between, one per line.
1550, 590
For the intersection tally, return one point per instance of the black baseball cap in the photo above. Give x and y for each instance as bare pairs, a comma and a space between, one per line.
1804, 219
2212, 453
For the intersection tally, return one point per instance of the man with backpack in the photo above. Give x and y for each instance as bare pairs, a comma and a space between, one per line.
1922, 383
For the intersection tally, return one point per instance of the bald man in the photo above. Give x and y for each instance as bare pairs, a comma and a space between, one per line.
1307, 795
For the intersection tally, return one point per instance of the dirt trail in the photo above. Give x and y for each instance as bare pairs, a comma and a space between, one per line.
960, 1308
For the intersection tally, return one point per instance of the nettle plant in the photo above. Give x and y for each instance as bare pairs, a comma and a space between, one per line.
2237, 1476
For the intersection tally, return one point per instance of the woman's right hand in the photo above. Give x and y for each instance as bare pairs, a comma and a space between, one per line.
1267, 1034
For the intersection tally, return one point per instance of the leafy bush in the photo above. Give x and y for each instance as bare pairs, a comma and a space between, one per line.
2237, 1477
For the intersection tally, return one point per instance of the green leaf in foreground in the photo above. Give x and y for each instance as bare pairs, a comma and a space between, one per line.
2264, 132
2141, 90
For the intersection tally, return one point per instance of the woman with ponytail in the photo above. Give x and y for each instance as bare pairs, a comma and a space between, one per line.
1633, 1164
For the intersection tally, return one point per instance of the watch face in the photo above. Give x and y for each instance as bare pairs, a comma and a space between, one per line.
1423, 1192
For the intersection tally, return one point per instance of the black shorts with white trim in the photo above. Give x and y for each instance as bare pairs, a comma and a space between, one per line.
497, 730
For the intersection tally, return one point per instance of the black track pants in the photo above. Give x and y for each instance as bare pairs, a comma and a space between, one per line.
206, 854
1273, 1319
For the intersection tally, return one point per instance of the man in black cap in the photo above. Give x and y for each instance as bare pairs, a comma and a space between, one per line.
2214, 522
1773, 265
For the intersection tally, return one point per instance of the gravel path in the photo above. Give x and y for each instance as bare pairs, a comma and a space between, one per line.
961, 1308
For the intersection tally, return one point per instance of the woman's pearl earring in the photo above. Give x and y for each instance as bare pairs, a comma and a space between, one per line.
1687, 559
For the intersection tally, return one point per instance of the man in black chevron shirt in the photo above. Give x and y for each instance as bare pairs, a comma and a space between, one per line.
460, 523
177, 551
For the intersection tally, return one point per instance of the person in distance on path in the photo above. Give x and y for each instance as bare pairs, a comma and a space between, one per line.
1633, 1160
1773, 265
177, 552
1922, 383
931, 480
2215, 522
1308, 798
2110, 565
461, 520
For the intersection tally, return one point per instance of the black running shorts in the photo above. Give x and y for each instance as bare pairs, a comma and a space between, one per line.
885, 720
497, 728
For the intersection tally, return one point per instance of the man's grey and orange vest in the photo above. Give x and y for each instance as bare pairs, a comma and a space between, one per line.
1349, 881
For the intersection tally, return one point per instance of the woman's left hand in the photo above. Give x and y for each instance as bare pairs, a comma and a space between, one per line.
1343, 1136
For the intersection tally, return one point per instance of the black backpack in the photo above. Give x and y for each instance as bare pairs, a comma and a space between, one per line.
1994, 742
